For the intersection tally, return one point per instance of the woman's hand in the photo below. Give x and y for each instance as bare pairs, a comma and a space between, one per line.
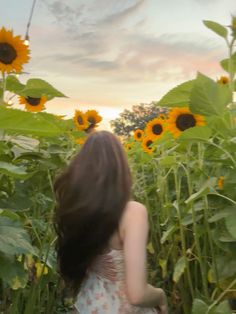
163, 309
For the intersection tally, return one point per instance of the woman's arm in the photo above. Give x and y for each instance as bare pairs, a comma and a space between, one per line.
134, 233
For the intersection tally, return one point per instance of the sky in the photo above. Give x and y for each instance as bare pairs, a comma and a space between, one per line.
109, 55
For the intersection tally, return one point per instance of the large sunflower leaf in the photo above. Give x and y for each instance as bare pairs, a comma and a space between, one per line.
14, 171
13, 238
216, 28
196, 133
12, 272
38, 87
229, 65
178, 96
208, 97
199, 307
230, 222
17, 121
13, 84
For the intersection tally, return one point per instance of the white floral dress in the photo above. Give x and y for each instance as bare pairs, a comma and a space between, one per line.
103, 291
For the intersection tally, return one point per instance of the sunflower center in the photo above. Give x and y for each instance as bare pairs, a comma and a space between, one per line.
139, 134
92, 120
157, 129
185, 121
80, 120
149, 143
33, 101
7, 53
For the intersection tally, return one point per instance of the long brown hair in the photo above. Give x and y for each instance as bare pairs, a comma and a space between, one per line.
91, 196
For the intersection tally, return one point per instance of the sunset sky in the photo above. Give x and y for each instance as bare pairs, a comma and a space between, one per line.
111, 54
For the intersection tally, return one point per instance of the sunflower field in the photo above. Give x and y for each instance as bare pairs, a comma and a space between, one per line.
184, 169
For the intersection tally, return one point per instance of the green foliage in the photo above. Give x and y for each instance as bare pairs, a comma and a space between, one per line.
216, 28
229, 64
14, 238
33, 88
209, 98
178, 96
16, 121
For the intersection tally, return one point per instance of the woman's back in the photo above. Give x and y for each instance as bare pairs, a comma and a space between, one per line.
105, 288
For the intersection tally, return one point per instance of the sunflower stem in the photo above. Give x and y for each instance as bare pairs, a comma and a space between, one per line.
3, 88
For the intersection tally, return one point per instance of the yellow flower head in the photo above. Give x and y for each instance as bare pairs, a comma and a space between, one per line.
13, 52
128, 146
147, 144
80, 120
162, 116
41, 269
155, 128
223, 80
33, 104
221, 182
93, 117
80, 140
138, 135
181, 119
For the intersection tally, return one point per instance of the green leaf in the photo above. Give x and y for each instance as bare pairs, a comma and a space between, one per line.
167, 161
216, 28
188, 220
230, 62
168, 233
13, 273
196, 133
222, 214
230, 222
223, 308
13, 84
14, 171
13, 238
24, 142
209, 98
150, 248
37, 88
207, 187
178, 96
179, 269
17, 121
199, 307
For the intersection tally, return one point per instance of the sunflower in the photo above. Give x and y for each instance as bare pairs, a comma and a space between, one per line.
147, 144
93, 117
162, 116
128, 146
155, 128
223, 80
220, 182
33, 104
181, 119
80, 120
138, 135
13, 52
80, 140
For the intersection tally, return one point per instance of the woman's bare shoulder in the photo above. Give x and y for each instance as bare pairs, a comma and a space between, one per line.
133, 211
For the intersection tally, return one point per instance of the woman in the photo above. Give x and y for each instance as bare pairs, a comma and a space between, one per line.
102, 235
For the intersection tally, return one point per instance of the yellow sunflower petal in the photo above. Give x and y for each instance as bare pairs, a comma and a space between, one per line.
13, 52
155, 128
138, 135
33, 104
93, 117
147, 144
80, 120
181, 119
